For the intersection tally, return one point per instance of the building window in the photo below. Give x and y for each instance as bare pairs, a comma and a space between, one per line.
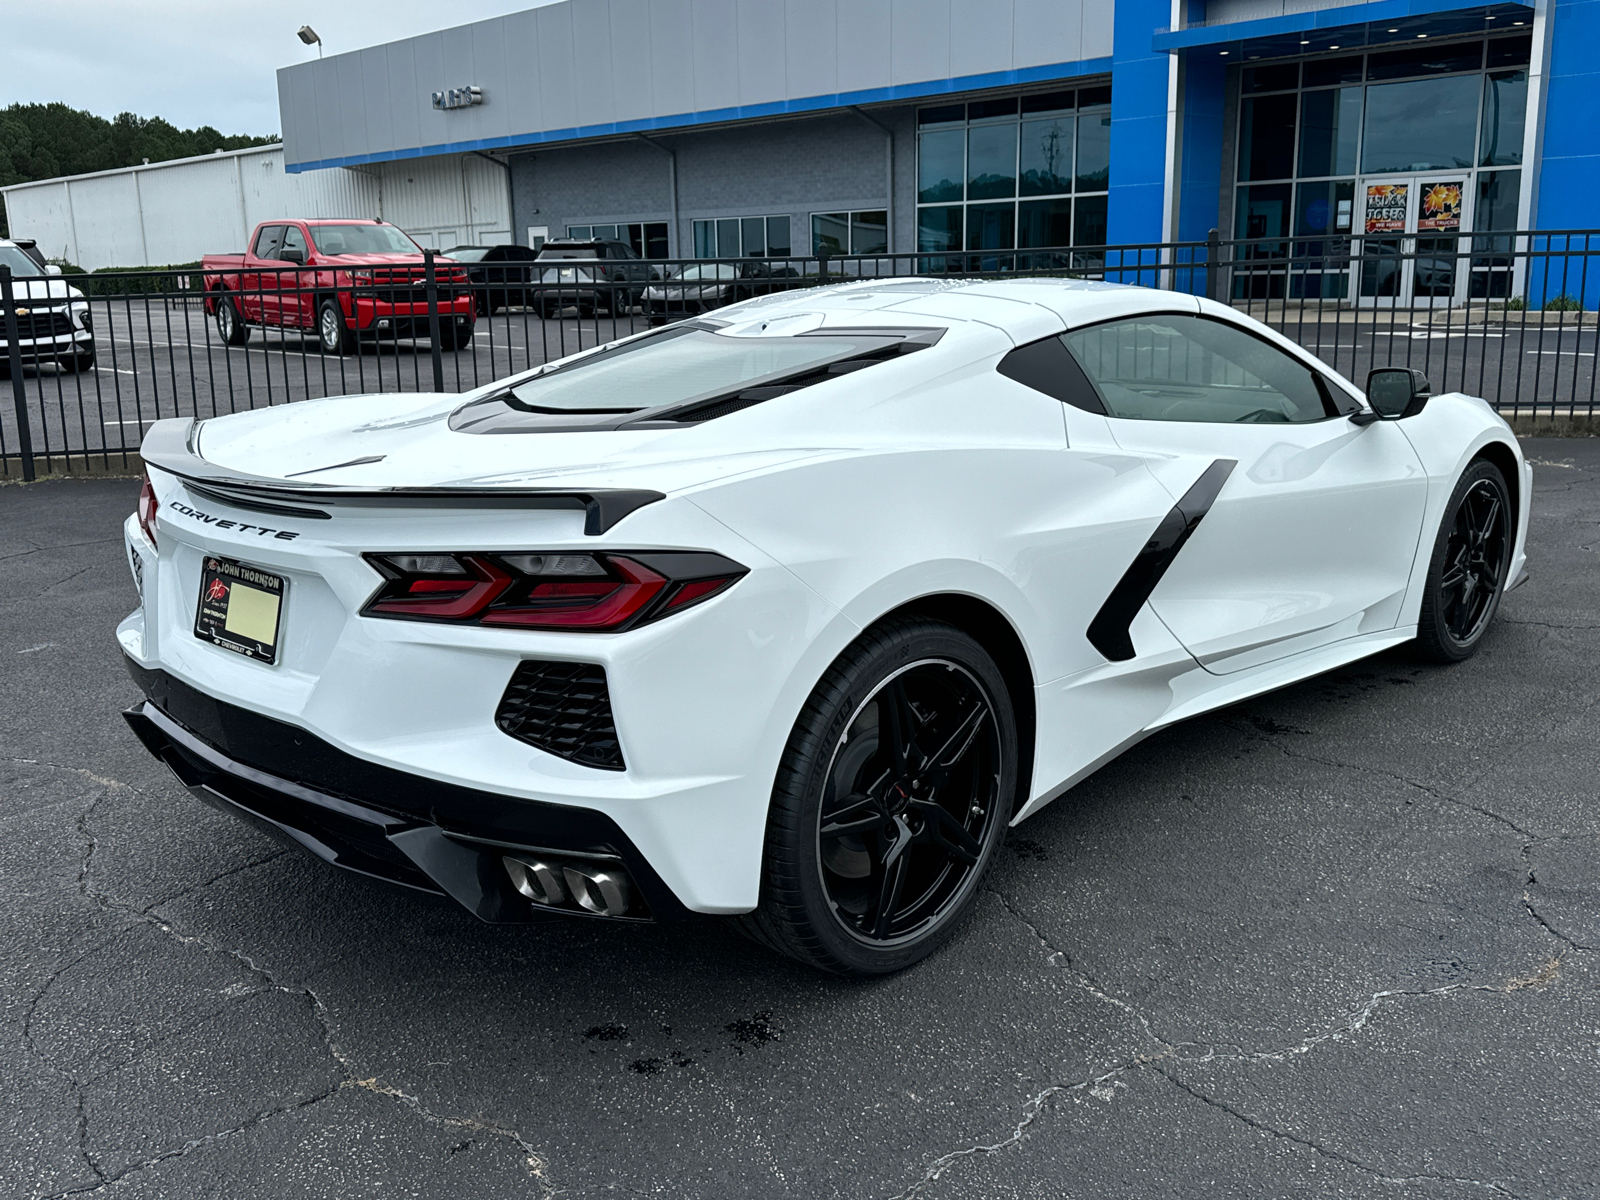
1015, 172
648, 238
742, 237
850, 233
1322, 140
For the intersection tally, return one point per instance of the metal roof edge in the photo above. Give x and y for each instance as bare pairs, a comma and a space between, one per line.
718, 116
167, 162
1316, 18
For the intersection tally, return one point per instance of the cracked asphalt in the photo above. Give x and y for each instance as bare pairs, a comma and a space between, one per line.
1339, 941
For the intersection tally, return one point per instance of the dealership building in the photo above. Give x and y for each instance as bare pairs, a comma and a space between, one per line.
769, 127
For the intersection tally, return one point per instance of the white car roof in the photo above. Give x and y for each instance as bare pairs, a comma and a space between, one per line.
1018, 306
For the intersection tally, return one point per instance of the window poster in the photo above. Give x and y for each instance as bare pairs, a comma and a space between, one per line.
1441, 207
1386, 207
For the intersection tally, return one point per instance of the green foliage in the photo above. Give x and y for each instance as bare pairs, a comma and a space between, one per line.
43, 141
1516, 304
1563, 303
139, 281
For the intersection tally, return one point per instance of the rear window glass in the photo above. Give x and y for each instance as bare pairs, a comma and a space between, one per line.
663, 371
673, 367
587, 250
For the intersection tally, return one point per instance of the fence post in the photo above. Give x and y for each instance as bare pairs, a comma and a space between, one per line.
1213, 252
431, 283
822, 266
14, 356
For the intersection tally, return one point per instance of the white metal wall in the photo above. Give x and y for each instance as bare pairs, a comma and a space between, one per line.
451, 200
175, 212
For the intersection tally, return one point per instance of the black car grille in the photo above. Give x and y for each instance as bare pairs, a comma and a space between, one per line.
564, 709
42, 324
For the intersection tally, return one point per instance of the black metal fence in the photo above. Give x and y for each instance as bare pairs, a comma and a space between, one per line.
93, 359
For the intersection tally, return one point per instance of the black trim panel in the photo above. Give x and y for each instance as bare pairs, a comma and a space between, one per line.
348, 811
1048, 366
1109, 631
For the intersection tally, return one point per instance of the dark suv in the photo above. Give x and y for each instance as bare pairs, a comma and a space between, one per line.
596, 276
499, 275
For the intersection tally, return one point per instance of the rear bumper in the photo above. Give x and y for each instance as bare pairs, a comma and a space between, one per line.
420, 833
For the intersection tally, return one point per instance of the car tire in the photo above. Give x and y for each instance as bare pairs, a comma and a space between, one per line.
230, 325
883, 889
78, 363
333, 335
455, 337
1467, 572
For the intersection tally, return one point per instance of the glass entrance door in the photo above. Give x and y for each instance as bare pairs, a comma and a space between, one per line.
1411, 244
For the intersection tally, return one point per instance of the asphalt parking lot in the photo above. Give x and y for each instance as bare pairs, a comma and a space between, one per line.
1337, 941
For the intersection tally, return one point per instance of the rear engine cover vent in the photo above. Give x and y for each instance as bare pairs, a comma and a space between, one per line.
563, 708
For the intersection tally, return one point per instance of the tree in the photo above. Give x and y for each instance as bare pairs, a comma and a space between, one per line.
43, 141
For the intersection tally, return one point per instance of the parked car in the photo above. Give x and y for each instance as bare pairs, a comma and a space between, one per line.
790, 616
53, 323
697, 287
594, 275
499, 275
30, 247
344, 280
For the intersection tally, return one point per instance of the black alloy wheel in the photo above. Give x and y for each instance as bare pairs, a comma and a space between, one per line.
895, 789
230, 328
1467, 574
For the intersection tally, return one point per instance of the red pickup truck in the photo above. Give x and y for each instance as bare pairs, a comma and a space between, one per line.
347, 280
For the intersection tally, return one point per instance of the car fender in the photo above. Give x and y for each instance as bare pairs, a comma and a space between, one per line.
1449, 432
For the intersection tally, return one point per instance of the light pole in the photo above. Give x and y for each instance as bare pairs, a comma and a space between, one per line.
309, 36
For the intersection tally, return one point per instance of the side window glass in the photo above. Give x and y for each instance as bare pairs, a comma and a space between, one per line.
1182, 368
293, 239
267, 241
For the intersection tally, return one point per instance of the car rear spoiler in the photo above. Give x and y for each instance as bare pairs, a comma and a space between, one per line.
170, 446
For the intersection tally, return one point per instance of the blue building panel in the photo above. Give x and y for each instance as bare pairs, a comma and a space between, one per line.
1139, 75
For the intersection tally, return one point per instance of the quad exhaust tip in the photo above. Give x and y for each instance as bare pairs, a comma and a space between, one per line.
602, 889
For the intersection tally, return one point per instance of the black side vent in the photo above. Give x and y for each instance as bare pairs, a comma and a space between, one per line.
564, 709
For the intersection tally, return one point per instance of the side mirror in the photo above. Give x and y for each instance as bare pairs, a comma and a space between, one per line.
294, 256
1396, 392
52, 269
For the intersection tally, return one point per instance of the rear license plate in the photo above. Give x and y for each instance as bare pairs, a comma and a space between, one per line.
240, 609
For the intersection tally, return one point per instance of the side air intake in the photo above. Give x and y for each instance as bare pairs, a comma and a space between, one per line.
563, 708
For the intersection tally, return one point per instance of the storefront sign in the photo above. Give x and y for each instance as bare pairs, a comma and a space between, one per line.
461, 97
1441, 207
1386, 207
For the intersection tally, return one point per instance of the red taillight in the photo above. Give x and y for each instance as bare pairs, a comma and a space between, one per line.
585, 604
464, 592
698, 590
147, 510
558, 591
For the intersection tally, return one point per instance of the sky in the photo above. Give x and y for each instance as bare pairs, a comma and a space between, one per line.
196, 62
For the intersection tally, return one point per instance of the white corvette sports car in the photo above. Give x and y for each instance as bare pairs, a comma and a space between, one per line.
788, 612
